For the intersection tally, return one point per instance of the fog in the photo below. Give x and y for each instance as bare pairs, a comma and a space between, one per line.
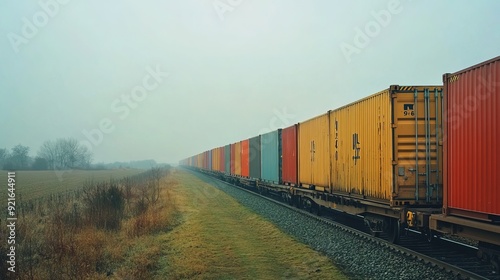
164, 80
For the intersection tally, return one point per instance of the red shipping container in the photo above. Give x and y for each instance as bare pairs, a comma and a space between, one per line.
245, 158
471, 145
289, 155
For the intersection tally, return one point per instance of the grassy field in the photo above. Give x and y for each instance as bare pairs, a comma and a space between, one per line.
220, 239
35, 184
193, 231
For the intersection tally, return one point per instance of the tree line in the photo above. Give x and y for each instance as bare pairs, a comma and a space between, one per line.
63, 153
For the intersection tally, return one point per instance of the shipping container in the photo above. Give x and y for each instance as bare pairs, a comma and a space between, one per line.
314, 152
222, 165
233, 159
215, 156
289, 157
237, 158
203, 160
210, 160
255, 157
271, 156
245, 158
471, 146
385, 147
227, 159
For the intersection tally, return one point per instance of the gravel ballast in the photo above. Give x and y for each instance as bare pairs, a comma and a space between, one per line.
358, 257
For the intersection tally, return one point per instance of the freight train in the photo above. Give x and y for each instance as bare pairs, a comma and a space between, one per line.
419, 157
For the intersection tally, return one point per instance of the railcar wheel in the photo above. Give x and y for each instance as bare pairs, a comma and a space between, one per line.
429, 236
393, 230
495, 262
318, 209
298, 202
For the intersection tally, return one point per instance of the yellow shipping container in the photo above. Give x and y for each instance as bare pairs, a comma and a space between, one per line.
374, 150
237, 158
213, 164
313, 152
200, 160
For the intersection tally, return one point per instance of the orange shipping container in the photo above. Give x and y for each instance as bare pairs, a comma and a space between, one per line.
245, 159
215, 155
237, 158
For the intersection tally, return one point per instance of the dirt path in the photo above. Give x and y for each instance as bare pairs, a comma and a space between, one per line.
220, 239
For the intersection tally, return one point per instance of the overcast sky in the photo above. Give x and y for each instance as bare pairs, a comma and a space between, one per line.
167, 79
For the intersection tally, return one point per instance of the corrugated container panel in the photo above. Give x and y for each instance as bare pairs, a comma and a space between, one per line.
227, 159
375, 151
245, 158
222, 159
217, 161
209, 160
472, 133
313, 152
203, 160
237, 158
255, 157
215, 156
233, 159
289, 158
271, 156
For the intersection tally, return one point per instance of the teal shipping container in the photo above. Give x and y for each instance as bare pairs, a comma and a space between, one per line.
271, 157
227, 159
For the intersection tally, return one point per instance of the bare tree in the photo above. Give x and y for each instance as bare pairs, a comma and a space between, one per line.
65, 154
4, 156
19, 158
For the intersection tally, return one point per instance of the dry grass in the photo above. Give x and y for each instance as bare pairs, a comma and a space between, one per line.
220, 239
64, 243
35, 184
193, 231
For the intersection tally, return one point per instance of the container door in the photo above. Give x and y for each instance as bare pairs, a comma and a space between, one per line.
418, 157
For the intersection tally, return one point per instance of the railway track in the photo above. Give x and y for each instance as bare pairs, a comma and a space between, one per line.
459, 260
